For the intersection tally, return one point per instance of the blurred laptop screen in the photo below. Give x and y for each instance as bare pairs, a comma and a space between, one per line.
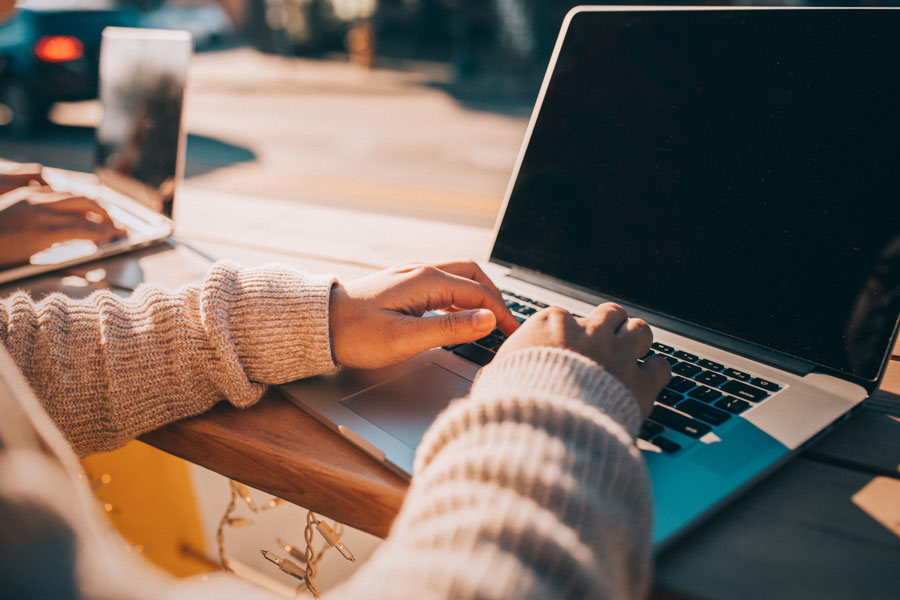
140, 141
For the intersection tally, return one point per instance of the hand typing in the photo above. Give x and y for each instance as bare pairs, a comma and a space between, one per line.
377, 320
41, 217
608, 337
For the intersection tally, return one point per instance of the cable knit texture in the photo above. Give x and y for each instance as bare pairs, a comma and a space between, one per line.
531, 487
108, 369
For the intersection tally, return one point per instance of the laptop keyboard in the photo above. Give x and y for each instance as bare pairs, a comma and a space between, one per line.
701, 395
482, 351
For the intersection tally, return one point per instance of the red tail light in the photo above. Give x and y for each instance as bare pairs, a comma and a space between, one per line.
58, 48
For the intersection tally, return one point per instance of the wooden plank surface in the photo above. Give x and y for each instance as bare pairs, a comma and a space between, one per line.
276, 447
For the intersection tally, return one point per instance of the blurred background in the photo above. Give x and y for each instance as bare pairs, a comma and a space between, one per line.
364, 104
411, 108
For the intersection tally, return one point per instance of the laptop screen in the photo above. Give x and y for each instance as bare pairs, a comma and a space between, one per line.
736, 170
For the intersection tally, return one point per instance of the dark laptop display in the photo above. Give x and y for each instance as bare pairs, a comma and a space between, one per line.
746, 180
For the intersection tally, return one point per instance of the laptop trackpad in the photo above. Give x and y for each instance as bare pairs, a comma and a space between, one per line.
405, 406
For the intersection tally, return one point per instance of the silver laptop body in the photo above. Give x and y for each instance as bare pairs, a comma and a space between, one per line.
588, 148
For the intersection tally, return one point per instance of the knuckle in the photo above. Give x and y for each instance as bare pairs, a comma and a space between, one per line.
555, 312
558, 317
405, 268
641, 327
640, 324
659, 368
423, 271
449, 325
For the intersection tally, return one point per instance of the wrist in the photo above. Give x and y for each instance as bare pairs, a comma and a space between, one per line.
338, 299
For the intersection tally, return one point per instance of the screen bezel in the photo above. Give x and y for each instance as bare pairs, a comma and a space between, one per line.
767, 355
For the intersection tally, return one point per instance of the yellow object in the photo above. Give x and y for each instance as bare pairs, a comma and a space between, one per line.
880, 499
148, 496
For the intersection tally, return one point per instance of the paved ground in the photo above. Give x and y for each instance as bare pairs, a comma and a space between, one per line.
326, 132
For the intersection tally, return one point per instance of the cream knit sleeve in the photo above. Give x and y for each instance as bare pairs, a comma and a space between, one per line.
108, 368
530, 488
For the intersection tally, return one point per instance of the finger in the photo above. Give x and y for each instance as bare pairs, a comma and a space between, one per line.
446, 290
79, 205
637, 335
608, 315
470, 270
423, 333
506, 322
655, 374
51, 236
78, 228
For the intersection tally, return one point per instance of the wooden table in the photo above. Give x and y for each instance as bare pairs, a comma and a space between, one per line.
827, 525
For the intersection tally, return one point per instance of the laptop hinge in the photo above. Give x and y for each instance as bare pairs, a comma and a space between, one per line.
727, 343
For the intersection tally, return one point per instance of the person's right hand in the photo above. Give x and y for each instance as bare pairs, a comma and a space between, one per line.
608, 337
378, 320
44, 218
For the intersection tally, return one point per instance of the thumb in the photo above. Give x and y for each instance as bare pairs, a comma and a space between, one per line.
451, 328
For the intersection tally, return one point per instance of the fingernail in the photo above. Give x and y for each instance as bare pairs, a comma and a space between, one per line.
482, 319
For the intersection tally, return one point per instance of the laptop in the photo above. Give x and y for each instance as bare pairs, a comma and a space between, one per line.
729, 175
139, 153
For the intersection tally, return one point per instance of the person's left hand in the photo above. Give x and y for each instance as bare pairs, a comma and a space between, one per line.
44, 218
377, 320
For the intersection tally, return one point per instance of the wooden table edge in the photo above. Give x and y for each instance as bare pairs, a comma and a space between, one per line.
276, 447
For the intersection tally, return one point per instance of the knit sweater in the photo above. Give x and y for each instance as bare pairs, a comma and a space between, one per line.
529, 488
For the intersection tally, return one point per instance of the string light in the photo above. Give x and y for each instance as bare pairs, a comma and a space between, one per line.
309, 557
220, 532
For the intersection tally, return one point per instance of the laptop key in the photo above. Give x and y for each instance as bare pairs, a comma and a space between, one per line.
680, 384
687, 356
474, 353
649, 430
701, 392
711, 365
735, 374
766, 385
491, 341
686, 369
733, 405
671, 360
680, 423
514, 295
710, 378
744, 391
665, 444
662, 348
704, 412
669, 397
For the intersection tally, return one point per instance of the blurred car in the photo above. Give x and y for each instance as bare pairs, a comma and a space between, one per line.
50, 54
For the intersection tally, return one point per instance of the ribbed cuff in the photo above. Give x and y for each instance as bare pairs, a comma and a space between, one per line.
551, 388
562, 373
279, 321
